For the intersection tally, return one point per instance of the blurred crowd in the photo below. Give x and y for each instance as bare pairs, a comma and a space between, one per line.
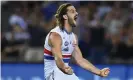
104, 30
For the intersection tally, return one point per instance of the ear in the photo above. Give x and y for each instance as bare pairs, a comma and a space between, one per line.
65, 17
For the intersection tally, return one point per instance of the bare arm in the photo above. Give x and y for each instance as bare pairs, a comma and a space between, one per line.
55, 42
77, 55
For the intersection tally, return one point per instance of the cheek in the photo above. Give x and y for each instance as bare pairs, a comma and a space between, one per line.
71, 16
71, 19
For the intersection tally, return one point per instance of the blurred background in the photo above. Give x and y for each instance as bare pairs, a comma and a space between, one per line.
104, 30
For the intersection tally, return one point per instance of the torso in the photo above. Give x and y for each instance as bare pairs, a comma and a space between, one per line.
68, 41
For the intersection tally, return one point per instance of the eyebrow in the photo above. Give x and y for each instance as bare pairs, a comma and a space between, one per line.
72, 9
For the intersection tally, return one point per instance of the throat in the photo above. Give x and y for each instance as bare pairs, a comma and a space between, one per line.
68, 30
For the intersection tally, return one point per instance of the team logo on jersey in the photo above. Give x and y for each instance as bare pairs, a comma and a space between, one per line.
66, 43
66, 49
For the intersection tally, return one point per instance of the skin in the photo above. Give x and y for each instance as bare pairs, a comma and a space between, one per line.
55, 42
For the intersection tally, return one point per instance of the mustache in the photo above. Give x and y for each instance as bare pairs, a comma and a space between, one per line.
76, 15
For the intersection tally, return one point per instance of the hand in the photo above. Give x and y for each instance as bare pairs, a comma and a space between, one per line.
68, 70
104, 72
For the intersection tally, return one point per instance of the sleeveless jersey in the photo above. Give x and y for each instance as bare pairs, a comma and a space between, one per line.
67, 47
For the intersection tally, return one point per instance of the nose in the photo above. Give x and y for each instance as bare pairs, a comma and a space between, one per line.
77, 13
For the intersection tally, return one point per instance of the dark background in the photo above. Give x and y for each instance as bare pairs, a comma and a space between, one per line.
105, 30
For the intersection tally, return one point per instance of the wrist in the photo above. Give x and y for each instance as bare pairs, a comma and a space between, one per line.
62, 68
98, 73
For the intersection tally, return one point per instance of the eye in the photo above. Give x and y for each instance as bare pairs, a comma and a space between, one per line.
72, 11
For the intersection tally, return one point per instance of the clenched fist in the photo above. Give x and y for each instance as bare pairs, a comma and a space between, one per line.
68, 70
104, 72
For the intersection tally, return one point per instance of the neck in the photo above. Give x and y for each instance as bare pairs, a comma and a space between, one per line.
68, 28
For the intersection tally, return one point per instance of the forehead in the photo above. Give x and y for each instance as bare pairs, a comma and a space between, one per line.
71, 8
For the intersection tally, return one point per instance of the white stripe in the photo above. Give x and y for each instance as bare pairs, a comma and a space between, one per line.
66, 58
66, 54
47, 48
62, 54
47, 54
53, 56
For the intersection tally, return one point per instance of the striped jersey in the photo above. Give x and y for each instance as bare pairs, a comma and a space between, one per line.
67, 47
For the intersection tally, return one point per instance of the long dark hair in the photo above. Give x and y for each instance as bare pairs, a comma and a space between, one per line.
59, 14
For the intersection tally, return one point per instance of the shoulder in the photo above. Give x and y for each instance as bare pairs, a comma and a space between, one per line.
54, 35
56, 29
75, 36
54, 39
55, 32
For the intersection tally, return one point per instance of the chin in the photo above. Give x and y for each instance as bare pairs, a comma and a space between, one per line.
74, 25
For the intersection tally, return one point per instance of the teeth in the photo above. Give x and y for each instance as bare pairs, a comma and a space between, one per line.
75, 18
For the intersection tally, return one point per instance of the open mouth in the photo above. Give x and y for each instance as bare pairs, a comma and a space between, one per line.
75, 18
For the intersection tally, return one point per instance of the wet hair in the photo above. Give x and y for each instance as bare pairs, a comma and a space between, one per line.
62, 10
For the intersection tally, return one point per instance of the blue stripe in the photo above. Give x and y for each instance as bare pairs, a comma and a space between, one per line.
48, 57
66, 60
52, 58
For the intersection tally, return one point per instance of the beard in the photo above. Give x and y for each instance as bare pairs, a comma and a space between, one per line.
72, 22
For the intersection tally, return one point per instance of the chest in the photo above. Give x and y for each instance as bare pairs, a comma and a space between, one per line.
67, 43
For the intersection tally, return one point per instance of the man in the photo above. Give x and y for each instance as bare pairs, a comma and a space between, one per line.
61, 44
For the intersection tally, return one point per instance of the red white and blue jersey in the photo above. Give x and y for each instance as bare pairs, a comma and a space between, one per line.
67, 47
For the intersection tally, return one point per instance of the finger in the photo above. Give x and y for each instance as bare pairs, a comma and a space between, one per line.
106, 73
70, 72
70, 68
107, 68
66, 67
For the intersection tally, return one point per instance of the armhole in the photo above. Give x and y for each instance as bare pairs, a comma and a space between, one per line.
75, 39
50, 34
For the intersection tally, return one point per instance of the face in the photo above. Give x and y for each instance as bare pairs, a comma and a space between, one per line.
72, 16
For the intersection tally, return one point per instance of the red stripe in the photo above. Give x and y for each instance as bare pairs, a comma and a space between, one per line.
47, 52
66, 56
50, 53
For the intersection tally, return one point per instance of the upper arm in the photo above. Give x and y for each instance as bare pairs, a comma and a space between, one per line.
55, 43
77, 55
